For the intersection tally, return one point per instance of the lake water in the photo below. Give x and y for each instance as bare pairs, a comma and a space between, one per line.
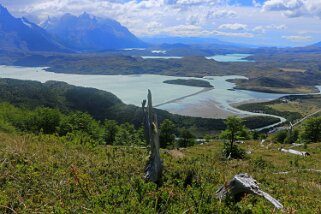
218, 58
231, 58
132, 89
161, 57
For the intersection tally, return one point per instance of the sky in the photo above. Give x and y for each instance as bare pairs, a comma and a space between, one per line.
257, 22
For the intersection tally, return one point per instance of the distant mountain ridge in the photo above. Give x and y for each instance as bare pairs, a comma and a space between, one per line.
90, 33
21, 34
84, 33
177, 40
317, 44
65, 34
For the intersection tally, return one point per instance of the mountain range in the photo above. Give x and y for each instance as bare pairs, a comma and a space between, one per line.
21, 34
86, 33
64, 34
176, 40
90, 33
317, 44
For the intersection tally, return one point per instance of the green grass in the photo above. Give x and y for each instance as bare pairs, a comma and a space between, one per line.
304, 105
47, 174
291, 107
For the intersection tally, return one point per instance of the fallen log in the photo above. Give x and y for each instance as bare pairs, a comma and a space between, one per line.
242, 184
295, 152
297, 144
154, 167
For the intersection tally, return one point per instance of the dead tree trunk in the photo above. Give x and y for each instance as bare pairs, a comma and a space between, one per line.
295, 152
154, 167
242, 184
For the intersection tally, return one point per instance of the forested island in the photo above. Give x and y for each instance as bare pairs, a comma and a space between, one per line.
190, 82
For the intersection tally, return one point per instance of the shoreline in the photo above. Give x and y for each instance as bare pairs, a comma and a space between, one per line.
209, 109
184, 97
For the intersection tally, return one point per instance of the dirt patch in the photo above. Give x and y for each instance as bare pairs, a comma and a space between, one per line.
175, 153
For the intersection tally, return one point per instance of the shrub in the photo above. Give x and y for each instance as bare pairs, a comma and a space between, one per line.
167, 130
235, 130
44, 120
111, 129
82, 122
186, 138
312, 130
280, 136
236, 153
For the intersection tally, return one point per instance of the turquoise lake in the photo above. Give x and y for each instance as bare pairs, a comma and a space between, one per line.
230, 58
132, 89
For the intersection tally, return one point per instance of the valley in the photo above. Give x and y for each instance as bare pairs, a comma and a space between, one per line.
131, 89
160, 106
263, 75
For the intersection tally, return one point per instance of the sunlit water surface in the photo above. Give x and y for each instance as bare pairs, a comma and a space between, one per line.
132, 89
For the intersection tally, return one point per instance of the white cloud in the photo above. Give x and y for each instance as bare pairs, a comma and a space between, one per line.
183, 30
224, 14
294, 8
215, 18
298, 38
265, 28
256, 4
229, 34
259, 29
234, 26
193, 30
201, 2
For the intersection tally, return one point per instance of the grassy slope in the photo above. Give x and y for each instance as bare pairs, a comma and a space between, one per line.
274, 86
305, 105
295, 107
45, 174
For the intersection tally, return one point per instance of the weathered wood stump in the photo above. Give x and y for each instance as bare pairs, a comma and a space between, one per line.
154, 167
242, 184
295, 152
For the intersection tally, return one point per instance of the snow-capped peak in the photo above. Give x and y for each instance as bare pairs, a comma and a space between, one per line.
26, 22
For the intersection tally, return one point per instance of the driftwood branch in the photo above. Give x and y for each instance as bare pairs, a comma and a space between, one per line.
242, 184
295, 152
296, 145
154, 167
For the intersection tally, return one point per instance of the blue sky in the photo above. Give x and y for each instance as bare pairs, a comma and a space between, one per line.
262, 22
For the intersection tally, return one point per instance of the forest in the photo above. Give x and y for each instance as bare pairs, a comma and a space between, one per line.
102, 105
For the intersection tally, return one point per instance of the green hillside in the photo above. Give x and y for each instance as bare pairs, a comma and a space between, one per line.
100, 105
48, 174
56, 158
